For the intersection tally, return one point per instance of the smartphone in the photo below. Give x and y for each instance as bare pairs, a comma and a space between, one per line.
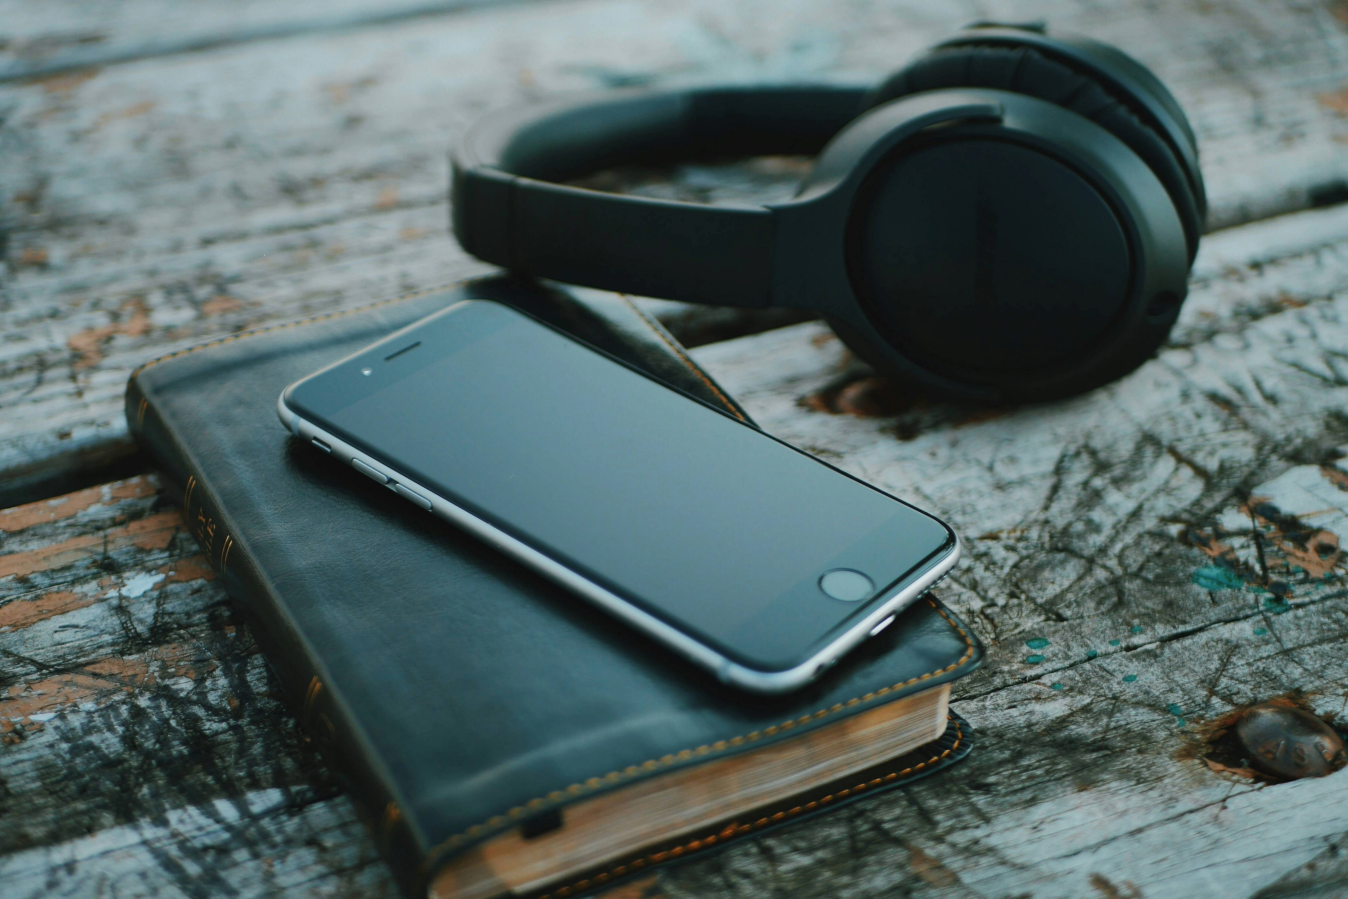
742, 553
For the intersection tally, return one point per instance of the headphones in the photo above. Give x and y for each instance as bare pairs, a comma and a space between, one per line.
1011, 217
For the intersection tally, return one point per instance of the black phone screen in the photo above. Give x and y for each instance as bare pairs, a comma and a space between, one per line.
687, 513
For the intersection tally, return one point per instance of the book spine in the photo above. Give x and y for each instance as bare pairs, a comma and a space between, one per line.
323, 716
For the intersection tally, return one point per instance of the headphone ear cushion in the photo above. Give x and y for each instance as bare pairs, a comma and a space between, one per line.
1024, 70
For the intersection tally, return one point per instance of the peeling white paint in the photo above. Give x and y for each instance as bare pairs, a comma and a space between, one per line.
137, 586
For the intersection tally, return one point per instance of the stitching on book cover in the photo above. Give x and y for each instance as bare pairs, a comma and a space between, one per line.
733, 829
617, 776
278, 327
683, 357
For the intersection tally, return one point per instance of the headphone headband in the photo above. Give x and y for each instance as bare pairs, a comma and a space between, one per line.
1124, 75
1011, 216
508, 209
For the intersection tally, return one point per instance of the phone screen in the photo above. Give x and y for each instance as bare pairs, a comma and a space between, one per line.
707, 523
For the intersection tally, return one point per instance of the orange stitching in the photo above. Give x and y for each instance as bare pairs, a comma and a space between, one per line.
735, 830
556, 797
678, 351
304, 321
659, 331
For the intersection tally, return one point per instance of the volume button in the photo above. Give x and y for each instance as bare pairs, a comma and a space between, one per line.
368, 471
414, 497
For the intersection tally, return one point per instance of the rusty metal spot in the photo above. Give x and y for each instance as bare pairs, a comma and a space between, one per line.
1274, 741
1290, 742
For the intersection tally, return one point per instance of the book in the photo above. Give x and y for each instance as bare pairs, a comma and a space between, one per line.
499, 735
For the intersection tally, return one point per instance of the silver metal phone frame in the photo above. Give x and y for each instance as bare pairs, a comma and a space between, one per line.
726, 670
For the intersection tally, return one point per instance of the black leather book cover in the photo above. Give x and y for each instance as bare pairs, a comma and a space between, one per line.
459, 694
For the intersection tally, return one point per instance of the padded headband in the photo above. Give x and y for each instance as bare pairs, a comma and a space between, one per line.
509, 211
1120, 74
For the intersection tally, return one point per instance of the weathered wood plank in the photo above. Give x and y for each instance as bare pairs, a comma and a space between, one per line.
143, 747
1075, 790
264, 843
1098, 567
1148, 556
223, 835
1117, 558
41, 40
153, 204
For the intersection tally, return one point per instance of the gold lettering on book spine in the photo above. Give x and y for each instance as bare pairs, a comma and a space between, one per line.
320, 726
205, 528
307, 707
310, 695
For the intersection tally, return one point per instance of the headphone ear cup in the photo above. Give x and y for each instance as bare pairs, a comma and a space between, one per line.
1024, 70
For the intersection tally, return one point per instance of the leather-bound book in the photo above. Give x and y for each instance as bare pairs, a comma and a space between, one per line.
500, 735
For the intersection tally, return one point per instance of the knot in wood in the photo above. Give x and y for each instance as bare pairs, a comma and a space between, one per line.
1289, 742
870, 397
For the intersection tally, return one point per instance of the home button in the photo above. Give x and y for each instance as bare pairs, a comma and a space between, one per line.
846, 585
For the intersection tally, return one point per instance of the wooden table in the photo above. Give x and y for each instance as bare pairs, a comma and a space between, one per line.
170, 173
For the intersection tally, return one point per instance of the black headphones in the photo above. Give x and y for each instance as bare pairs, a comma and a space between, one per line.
1010, 217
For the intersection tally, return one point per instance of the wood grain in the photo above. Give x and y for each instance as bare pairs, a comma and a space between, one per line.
151, 204
1141, 559
1117, 623
143, 745
38, 41
1111, 638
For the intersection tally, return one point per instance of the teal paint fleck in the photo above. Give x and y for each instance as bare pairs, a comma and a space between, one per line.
1113, 642
1135, 629
1129, 678
1216, 577
1174, 710
1090, 653
1037, 642
1034, 660
1276, 605
1180, 722
1261, 632
1056, 686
